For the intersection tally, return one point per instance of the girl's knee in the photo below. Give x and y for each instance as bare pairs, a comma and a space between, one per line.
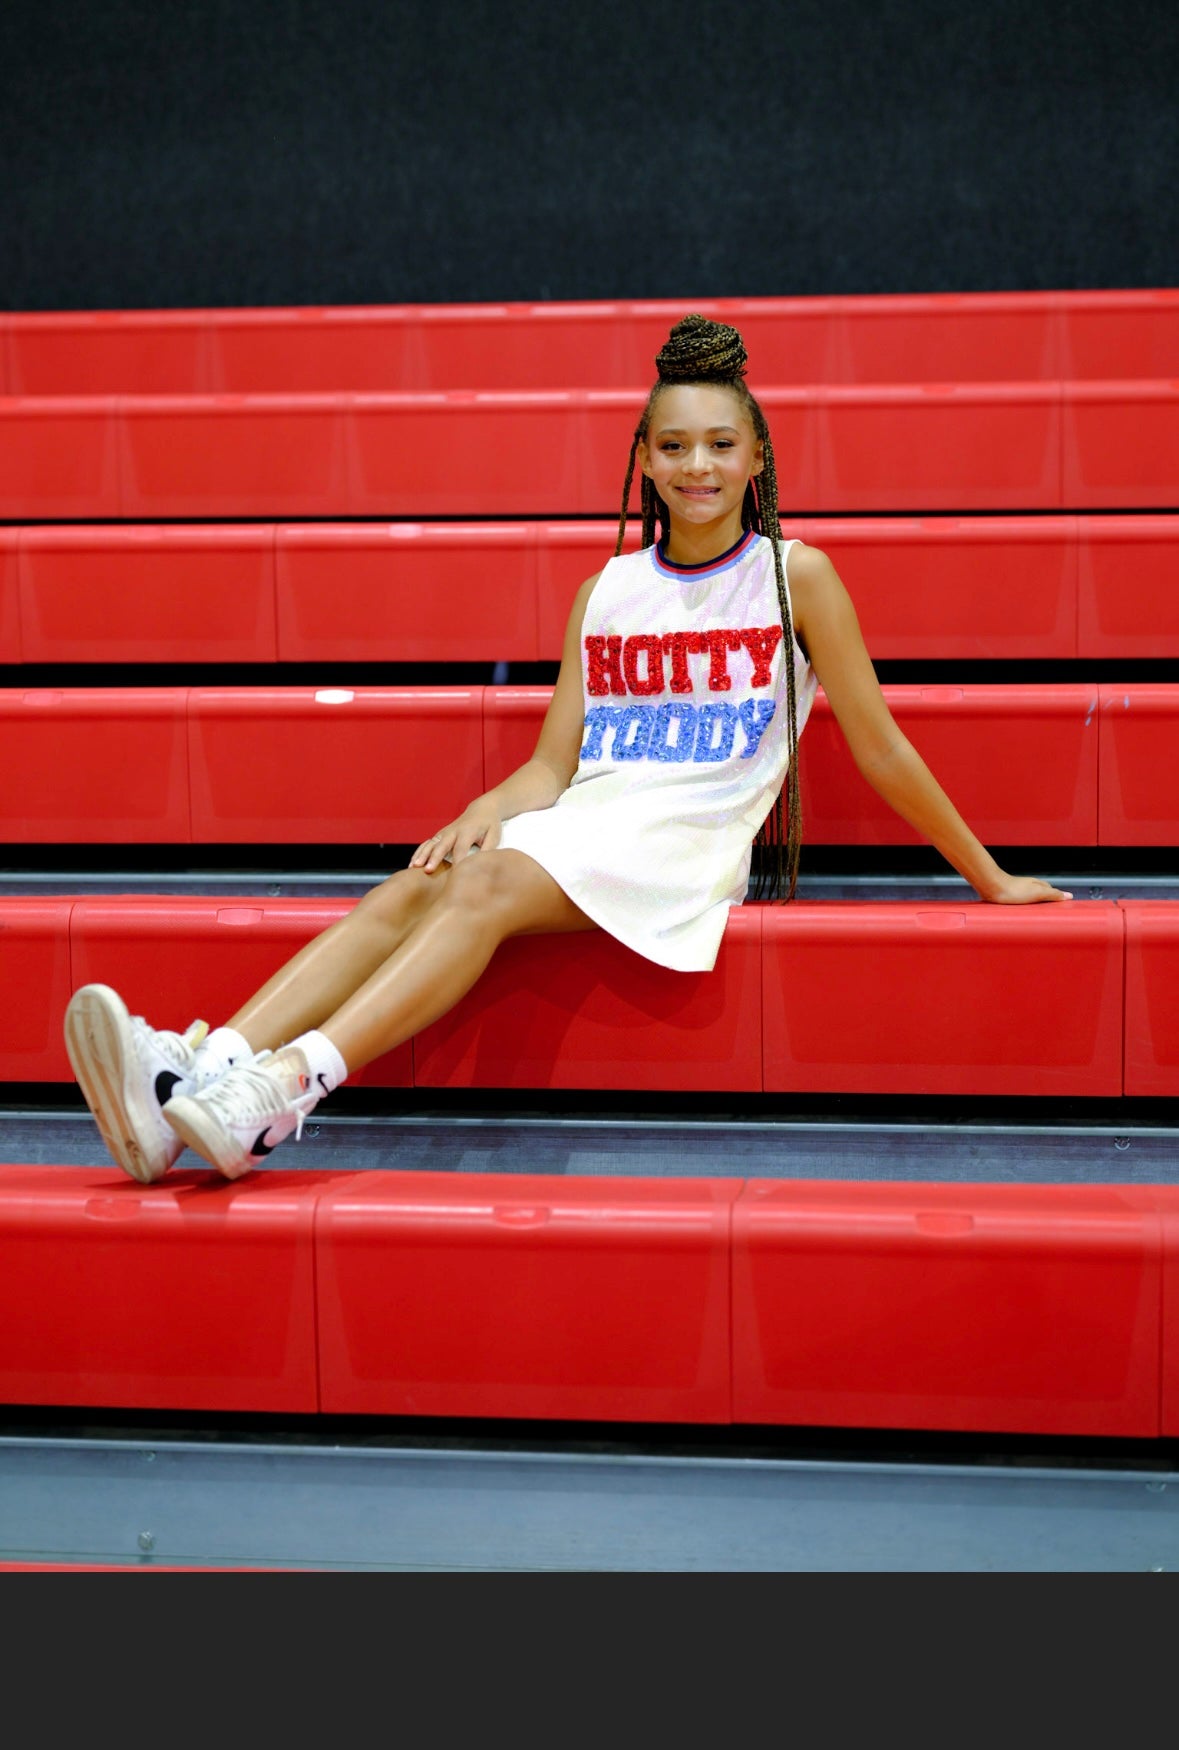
482, 881
410, 892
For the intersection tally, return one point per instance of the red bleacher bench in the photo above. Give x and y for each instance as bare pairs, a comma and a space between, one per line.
177, 959
411, 592
525, 1296
36, 962
59, 458
192, 1294
361, 765
1121, 439
862, 338
10, 636
1021, 1308
147, 593
1152, 998
937, 446
589, 1013
1139, 765
918, 446
1002, 1308
840, 996
937, 588
1019, 761
946, 587
85, 764
1127, 603
911, 998
106, 352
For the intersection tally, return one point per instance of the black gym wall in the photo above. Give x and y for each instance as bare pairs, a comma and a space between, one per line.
155, 153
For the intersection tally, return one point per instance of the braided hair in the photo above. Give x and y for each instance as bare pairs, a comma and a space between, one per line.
700, 351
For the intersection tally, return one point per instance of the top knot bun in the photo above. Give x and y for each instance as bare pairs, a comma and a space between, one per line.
699, 350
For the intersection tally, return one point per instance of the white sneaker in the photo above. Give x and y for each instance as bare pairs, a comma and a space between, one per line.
236, 1121
126, 1070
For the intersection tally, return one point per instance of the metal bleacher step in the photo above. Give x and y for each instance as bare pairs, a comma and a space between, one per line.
276, 883
147, 1499
640, 1146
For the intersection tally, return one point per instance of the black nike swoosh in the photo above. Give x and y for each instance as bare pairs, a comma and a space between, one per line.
322, 1080
261, 1146
165, 1083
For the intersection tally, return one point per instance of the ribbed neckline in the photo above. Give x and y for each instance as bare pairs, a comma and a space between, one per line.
720, 563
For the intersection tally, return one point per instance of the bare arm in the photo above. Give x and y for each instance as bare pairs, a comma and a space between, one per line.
541, 779
826, 623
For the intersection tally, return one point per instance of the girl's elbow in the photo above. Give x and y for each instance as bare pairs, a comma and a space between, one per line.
881, 761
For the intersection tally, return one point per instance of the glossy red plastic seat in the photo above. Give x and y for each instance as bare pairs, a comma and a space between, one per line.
863, 338
1001, 587
95, 765
35, 962
1165, 1198
944, 336
109, 352
407, 592
1014, 1308
59, 458
1152, 997
480, 1295
10, 638
1046, 1309
936, 446
176, 959
315, 765
148, 593
1127, 603
459, 453
841, 996
1139, 777
901, 997
228, 456
920, 447
939, 588
312, 351
192, 1294
1019, 760
568, 553
361, 765
1127, 333
1120, 442
585, 1012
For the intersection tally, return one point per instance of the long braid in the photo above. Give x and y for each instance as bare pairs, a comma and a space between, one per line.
785, 834
648, 497
701, 351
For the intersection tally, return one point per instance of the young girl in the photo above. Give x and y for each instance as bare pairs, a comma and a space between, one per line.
688, 672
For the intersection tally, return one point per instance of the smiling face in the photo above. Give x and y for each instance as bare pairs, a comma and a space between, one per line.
700, 451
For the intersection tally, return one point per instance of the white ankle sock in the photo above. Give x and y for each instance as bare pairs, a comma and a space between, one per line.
219, 1051
324, 1063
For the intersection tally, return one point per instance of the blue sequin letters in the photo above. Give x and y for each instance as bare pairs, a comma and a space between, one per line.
676, 731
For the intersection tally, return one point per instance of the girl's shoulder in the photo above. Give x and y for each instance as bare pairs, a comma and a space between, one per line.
802, 560
818, 595
809, 572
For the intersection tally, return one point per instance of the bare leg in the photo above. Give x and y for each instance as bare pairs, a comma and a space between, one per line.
487, 898
324, 974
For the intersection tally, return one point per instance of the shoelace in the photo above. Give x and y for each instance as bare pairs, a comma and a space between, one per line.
248, 1092
179, 1048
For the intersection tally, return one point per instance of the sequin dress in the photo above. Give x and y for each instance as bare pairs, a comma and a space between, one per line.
686, 744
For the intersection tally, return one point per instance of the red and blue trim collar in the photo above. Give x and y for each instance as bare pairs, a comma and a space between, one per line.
710, 567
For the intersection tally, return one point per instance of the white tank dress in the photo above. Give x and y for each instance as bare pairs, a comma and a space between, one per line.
686, 744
